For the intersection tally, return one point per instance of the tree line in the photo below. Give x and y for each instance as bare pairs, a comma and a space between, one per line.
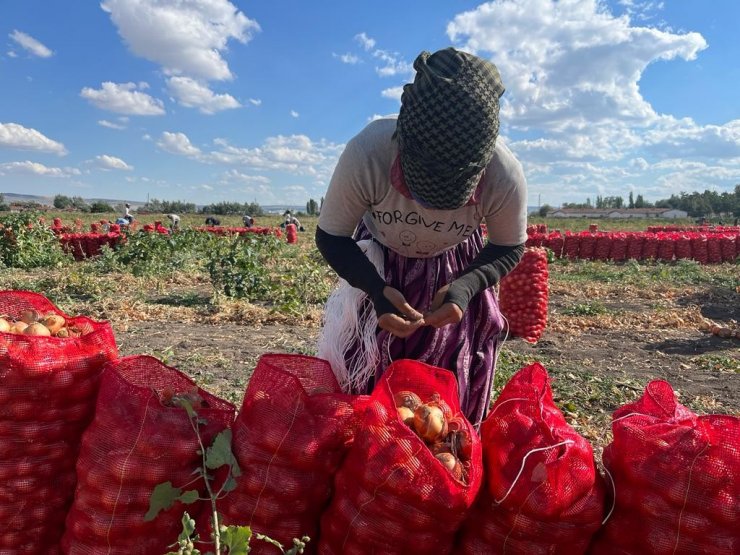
695, 204
156, 206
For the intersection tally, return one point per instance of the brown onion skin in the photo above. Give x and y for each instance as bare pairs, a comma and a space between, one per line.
54, 322
407, 399
18, 327
38, 329
29, 316
406, 415
430, 423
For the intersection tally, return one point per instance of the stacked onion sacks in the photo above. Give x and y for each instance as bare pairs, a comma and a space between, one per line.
32, 322
446, 435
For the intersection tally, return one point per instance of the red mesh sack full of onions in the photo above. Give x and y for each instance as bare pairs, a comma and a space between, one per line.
676, 479
523, 295
412, 473
141, 437
290, 437
542, 492
50, 367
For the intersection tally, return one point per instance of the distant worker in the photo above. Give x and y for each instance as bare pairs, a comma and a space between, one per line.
128, 216
248, 220
291, 219
174, 221
210, 220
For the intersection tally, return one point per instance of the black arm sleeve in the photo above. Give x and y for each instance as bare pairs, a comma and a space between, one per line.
492, 263
351, 264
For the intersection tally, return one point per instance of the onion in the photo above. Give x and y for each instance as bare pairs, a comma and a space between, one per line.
440, 448
18, 327
63, 333
430, 423
54, 322
449, 461
29, 316
407, 399
406, 415
38, 329
4, 325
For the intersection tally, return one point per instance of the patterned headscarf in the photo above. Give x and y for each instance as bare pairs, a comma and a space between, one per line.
448, 125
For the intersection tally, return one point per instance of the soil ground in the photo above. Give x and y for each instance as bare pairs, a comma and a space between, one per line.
596, 363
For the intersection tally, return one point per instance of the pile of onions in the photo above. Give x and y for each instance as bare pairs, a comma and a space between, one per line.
446, 435
33, 323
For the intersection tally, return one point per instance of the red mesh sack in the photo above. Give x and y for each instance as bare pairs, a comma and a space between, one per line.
676, 479
291, 233
535, 239
699, 250
683, 246
728, 247
543, 494
588, 245
290, 436
618, 251
650, 247
47, 398
554, 242
392, 495
635, 242
523, 295
571, 245
714, 249
135, 442
603, 247
666, 247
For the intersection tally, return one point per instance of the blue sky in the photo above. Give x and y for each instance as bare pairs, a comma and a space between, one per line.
211, 100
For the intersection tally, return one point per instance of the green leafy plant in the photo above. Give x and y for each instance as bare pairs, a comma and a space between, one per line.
240, 266
585, 309
25, 243
232, 539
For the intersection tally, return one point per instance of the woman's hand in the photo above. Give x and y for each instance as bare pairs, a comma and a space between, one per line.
442, 313
397, 325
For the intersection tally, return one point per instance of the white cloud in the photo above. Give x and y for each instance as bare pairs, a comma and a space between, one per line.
294, 114
393, 93
13, 135
123, 98
347, 58
34, 168
12, 54
31, 44
578, 65
295, 154
193, 94
184, 37
111, 124
108, 162
392, 64
671, 137
573, 108
178, 143
255, 101
235, 176
366, 42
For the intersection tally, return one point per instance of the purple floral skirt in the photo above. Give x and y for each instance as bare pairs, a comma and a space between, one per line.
469, 348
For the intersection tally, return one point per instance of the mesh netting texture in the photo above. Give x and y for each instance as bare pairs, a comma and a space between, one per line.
391, 494
543, 494
523, 295
135, 442
47, 398
290, 436
676, 479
